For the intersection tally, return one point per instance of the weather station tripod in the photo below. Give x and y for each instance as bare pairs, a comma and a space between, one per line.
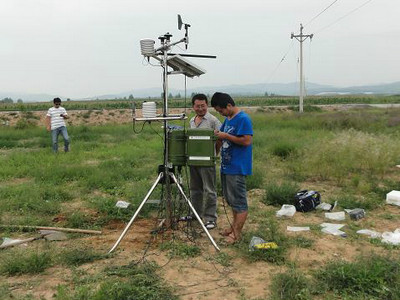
166, 175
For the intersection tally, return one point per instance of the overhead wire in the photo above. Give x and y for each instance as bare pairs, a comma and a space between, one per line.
280, 62
346, 15
320, 13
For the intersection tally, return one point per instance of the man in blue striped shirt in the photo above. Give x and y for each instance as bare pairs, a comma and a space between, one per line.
55, 123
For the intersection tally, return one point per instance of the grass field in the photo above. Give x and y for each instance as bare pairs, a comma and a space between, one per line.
348, 156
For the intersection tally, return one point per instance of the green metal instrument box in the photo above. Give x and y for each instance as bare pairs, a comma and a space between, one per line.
177, 147
200, 147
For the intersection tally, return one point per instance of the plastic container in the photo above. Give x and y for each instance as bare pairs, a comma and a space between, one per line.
286, 211
177, 147
393, 198
201, 147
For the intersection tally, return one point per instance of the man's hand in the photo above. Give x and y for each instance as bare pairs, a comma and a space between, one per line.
48, 128
220, 134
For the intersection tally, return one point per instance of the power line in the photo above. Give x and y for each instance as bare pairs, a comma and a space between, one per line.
321, 12
341, 18
280, 62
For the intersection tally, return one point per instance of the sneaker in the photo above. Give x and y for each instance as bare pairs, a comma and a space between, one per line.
210, 225
186, 218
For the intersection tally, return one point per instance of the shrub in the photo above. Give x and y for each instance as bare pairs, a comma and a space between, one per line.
280, 194
284, 149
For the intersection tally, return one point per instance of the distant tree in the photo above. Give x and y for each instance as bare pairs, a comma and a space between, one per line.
170, 96
7, 100
68, 99
266, 94
131, 97
178, 96
20, 101
192, 95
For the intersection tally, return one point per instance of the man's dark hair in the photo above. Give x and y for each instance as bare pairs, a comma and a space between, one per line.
221, 100
56, 100
200, 97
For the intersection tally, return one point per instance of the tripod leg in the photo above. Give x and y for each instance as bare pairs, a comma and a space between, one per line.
137, 212
194, 211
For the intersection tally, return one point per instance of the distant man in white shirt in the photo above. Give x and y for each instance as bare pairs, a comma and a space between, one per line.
55, 123
203, 179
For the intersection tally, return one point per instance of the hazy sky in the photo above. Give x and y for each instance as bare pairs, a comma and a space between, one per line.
81, 48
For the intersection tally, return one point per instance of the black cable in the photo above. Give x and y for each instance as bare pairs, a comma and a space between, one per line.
156, 131
133, 127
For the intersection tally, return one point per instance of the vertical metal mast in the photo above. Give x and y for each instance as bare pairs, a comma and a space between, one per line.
301, 38
165, 41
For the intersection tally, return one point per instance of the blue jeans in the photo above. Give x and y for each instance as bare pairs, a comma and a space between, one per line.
54, 138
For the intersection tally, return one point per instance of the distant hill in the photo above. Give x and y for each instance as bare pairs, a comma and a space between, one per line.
26, 97
288, 89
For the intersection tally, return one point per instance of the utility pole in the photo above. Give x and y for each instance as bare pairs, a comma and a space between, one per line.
301, 38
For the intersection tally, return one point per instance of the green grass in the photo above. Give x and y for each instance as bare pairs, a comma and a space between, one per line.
130, 282
75, 256
279, 194
269, 232
180, 249
25, 261
290, 285
373, 277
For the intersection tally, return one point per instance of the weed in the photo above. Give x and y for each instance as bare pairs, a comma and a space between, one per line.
256, 180
373, 277
350, 201
270, 233
280, 194
302, 242
79, 256
130, 282
79, 219
224, 259
179, 249
290, 285
284, 149
23, 261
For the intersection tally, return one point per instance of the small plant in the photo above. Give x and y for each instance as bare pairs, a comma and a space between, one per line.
255, 181
280, 194
76, 257
224, 259
284, 149
373, 277
302, 242
270, 233
290, 285
25, 262
179, 249
79, 219
130, 282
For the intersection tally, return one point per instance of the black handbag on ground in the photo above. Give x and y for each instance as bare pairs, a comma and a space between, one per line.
307, 200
